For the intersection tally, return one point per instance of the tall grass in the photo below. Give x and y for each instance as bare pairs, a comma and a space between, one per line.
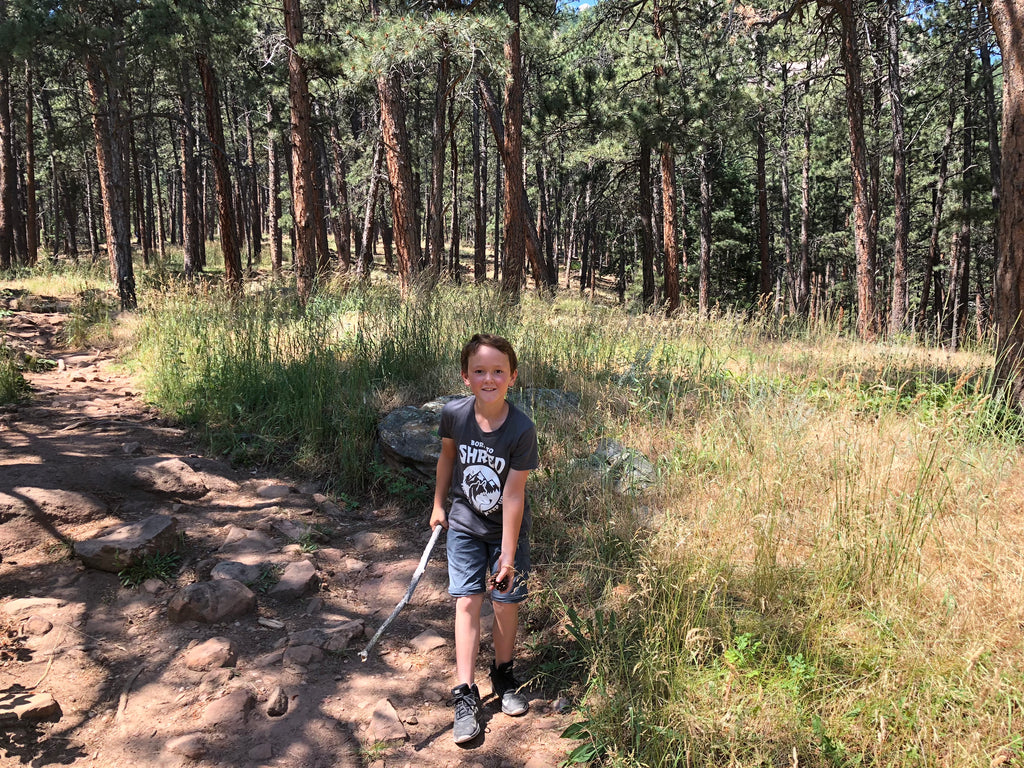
826, 573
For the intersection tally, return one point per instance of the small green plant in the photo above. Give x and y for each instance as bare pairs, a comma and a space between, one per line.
269, 576
13, 387
157, 565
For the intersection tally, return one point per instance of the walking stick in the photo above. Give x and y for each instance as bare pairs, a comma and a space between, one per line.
363, 654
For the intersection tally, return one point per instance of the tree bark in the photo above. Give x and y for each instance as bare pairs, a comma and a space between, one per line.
403, 186
849, 13
365, 262
1008, 23
274, 193
670, 242
222, 176
515, 188
108, 128
648, 295
303, 193
901, 202
31, 211
343, 215
8, 172
704, 286
479, 139
435, 203
191, 232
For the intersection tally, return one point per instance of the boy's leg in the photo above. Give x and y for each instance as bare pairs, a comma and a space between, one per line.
467, 636
506, 624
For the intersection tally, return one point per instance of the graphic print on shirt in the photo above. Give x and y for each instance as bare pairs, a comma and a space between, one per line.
481, 476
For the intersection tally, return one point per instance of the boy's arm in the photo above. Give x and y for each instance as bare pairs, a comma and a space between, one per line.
445, 464
513, 502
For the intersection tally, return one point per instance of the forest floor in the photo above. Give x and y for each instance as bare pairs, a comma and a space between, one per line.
116, 665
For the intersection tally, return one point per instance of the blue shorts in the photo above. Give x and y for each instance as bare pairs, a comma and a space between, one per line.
471, 561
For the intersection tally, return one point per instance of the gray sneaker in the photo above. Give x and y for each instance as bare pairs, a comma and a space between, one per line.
467, 713
506, 688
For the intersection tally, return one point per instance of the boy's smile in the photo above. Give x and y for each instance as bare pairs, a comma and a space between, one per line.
489, 375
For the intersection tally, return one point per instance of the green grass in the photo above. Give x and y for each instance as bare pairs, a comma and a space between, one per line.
826, 573
13, 387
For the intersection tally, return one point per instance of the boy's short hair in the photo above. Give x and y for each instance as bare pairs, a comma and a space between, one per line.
499, 343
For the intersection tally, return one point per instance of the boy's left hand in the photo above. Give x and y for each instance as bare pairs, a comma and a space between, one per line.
504, 578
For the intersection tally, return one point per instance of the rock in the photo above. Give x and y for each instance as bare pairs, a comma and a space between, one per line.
314, 637
408, 436
427, 641
129, 543
160, 474
28, 605
274, 491
26, 495
541, 761
191, 745
28, 707
211, 601
297, 580
37, 625
244, 546
339, 637
409, 441
561, 705
268, 659
215, 652
232, 569
386, 724
301, 656
533, 399
366, 541
229, 711
131, 449
261, 752
277, 703
152, 586
289, 529
214, 680
270, 623
412, 720
628, 471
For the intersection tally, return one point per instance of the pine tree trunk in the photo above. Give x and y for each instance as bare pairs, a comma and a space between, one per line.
992, 121
191, 237
455, 239
704, 287
403, 186
343, 215
849, 14
786, 225
938, 201
31, 211
365, 261
274, 194
435, 202
8, 172
109, 131
479, 140
670, 242
515, 190
901, 202
222, 176
648, 296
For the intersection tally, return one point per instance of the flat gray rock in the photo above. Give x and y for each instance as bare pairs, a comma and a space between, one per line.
128, 543
230, 711
215, 653
232, 569
211, 601
297, 580
164, 475
386, 724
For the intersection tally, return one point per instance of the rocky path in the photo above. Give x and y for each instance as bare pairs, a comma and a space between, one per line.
248, 654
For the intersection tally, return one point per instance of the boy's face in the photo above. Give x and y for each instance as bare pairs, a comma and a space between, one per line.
489, 375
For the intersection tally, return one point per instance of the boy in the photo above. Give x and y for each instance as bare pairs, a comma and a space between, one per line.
488, 447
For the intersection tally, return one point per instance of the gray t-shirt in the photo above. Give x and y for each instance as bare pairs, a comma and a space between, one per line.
482, 462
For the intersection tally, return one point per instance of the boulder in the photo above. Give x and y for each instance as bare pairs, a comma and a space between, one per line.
211, 601
386, 724
408, 435
128, 543
162, 474
277, 702
27, 707
214, 653
297, 580
427, 641
229, 711
22, 606
231, 569
626, 470
274, 491
190, 745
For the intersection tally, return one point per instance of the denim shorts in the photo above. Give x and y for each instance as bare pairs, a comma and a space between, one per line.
471, 561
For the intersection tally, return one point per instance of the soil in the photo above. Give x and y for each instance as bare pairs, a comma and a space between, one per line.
114, 662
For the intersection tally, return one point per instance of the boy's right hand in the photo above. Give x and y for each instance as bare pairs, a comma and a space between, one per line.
438, 517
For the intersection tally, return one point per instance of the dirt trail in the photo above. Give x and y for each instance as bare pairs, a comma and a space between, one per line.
79, 458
